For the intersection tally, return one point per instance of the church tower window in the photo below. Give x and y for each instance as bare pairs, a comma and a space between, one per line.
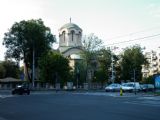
72, 34
63, 35
79, 35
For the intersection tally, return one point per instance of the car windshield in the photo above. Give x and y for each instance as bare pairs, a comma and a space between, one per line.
144, 85
113, 85
128, 85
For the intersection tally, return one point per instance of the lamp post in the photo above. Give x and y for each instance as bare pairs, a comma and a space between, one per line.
112, 63
77, 76
112, 66
134, 77
33, 65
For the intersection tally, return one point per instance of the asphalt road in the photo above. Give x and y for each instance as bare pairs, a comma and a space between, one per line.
78, 106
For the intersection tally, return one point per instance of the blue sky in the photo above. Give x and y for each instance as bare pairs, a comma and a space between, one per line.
111, 20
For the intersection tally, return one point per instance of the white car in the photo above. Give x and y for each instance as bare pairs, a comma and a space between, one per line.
131, 86
113, 87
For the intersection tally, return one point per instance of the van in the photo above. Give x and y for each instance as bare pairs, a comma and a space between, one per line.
131, 86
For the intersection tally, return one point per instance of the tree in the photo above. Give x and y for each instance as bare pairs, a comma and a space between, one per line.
91, 45
2, 71
79, 72
53, 66
103, 72
149, 80
9, 69
25, 37
132, 59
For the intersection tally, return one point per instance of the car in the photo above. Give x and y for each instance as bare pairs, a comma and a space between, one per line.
21, 89
131, 86
113, 87
147, 87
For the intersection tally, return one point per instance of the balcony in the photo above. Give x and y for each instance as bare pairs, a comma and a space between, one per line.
154, 57
145, 71
155, 69
154, 63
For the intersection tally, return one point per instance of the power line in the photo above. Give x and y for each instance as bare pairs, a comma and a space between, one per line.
133, 39
142, 31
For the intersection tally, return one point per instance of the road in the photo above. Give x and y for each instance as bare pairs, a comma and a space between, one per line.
78, 106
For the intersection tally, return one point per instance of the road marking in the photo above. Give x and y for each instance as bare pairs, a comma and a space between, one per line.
5, 96
2, 118
151, 98
144, 103
150, 101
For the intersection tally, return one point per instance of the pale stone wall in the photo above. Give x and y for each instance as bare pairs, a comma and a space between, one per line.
72, 51
77, 36
153, 58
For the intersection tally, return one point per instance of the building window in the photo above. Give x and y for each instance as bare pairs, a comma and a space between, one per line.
79, 35
72, 34
63, 35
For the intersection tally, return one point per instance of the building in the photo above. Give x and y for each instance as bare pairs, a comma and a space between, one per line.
153, 58
70, 42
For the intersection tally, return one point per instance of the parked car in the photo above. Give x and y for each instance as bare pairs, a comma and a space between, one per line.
147, 87
21, 89
113, 87
131, 86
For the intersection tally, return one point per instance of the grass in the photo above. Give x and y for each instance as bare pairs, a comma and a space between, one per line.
157, 93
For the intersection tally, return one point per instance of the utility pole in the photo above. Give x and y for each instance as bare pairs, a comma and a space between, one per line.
134, 77
112, 63
77, 76
33, 65
56, 82
112, 67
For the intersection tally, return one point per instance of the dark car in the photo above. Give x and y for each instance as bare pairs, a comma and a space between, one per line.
21, 89
147, 87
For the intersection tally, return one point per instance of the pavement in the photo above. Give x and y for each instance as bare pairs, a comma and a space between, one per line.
86, 105
5, 93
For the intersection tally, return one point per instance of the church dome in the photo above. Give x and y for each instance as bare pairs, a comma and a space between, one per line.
70, 25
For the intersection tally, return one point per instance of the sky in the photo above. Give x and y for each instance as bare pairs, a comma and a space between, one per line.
113, 21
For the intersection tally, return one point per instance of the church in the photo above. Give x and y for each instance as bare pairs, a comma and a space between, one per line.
70, 42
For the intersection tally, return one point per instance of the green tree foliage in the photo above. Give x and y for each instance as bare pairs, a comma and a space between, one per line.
148, 80
2, 71
79, 73
26, 36
104, 60
54, 66
132, 59
91, 45
9, 69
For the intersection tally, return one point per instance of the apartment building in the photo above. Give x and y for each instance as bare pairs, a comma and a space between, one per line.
153, 58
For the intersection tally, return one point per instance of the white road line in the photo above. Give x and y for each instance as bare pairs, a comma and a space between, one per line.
2, 118
150, 98
146, 103
5, 96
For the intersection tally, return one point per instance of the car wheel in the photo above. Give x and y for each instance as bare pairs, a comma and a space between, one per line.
13, 92
28, 92
20, 93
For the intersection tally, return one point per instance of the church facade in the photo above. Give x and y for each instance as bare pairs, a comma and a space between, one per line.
70, 42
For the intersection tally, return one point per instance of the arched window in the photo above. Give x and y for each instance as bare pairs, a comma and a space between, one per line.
72, 34
63, 35
79, 35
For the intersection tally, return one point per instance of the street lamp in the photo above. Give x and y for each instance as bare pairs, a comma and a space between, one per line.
33, 64
112, 66
77, 76
113, 48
